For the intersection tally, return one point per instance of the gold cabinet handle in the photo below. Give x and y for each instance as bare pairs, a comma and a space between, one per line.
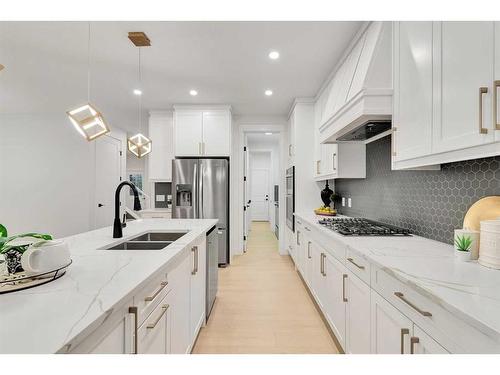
321, 263
413, 341
318, 162
402, 297
404, 331
152, 325
298, 240
194, 249
299, 222
324, 269
496, 85
306, 228
482, 90
333, 160
162, 286
133, 310
309, 250
356, 264
344, 277
393, 139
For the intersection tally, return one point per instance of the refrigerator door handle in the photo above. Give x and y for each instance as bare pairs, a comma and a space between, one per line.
195, 191
200, 192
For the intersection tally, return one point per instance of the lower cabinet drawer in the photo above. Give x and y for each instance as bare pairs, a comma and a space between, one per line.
358, 265
453, 334
149, 297
153, 336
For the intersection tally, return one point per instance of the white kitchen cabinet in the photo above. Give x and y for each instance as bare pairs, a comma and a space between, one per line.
496, 85
463, 77
198, 284
180, 279
390, 329
216, 133
412, 116
188, 133
114, 336
422, 343
153, 336
464, 60
161, 133
335, 301
358, 326
201, 132
342, 160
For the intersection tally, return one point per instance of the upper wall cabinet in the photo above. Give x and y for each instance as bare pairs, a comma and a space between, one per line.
161, 131
202, 132
444, 99
361, 88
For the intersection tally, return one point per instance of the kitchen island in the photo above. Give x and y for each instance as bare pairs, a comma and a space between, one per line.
418, 295
59, 317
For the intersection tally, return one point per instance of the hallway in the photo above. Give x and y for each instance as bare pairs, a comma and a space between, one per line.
262, 305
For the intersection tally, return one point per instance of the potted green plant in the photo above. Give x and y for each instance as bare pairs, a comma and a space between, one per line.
463, 246
13, 247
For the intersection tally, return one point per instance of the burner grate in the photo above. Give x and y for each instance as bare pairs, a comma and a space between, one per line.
362, 227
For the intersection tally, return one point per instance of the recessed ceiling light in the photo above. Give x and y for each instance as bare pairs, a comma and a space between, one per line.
274, 55
193, 92
268, 133
137, 92
268, 92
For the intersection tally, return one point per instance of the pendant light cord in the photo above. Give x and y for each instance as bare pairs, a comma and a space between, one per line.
140, 88
88, 64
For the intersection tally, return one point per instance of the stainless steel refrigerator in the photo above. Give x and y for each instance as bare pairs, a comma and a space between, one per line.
200, 189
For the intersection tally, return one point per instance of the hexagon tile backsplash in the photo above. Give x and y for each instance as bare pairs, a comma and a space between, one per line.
429, 203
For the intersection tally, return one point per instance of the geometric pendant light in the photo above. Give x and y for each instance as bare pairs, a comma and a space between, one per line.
86, 119
139, 144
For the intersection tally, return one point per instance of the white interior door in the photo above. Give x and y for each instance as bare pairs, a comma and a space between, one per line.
107, 178
246, 198
259, 187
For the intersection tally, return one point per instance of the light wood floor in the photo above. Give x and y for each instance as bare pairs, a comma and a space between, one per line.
262, 305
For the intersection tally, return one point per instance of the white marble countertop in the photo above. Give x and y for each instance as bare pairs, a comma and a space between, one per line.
468, 290
46, 318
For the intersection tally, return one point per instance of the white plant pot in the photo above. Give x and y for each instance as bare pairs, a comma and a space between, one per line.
464, 256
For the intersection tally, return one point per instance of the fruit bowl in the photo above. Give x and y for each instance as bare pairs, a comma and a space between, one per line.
325, 211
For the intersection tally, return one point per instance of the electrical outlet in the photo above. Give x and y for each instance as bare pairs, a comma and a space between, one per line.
343, 201
349, 202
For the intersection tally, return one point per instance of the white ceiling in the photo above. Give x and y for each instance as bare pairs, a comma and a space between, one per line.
227, 62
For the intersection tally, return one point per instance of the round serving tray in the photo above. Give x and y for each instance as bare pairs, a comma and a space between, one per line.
20, 280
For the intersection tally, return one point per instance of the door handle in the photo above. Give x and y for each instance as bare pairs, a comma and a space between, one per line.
482, 90
324, 269
356, 264
152, 325
496, 85
404, 331
309, 250
402, 297
194, 250
162, 286
413, 341
133, 310
344, 277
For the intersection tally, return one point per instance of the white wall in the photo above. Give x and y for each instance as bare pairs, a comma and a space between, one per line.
47, 173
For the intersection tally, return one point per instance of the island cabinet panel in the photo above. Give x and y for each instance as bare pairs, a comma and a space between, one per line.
180, 279
113, 336
422, 343
198, 282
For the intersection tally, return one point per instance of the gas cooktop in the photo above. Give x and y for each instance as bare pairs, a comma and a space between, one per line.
362, 227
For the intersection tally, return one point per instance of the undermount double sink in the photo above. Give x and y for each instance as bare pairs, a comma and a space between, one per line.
148, 241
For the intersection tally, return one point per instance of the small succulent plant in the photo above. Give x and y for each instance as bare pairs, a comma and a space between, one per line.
463, 243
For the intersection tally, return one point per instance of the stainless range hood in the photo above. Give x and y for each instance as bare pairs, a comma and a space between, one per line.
366, 131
